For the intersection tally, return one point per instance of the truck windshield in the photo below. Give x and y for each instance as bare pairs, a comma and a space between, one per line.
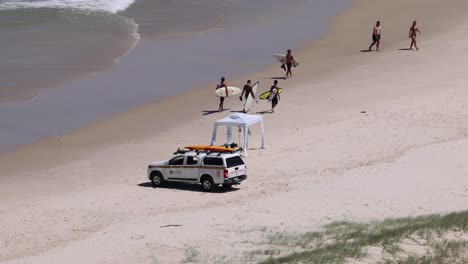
234, 161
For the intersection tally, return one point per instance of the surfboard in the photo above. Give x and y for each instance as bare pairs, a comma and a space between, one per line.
221, 92
272, 95
282, 59
266, 95
210, 148
249, 101
197, 147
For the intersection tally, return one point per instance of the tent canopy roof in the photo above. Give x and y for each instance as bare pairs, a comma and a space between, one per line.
239, 119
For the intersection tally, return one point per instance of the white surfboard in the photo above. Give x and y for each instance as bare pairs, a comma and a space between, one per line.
249, 101
270, 98
221, 92
282, 59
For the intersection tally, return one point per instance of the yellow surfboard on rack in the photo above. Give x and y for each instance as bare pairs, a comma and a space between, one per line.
210, 148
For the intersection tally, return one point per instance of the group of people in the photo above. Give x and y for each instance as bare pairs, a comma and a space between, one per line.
377, 33
289, 61
248, 90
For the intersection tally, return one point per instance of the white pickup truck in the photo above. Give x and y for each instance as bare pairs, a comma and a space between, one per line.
207, 169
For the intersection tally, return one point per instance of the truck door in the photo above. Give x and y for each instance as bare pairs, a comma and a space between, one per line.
174, 172
191, 170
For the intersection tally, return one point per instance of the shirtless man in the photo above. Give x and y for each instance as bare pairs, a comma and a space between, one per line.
247, 90
289, 63
220, 85
376, 33
412, 35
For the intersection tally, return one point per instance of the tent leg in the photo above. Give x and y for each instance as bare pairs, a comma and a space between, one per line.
263, 134
213, 137
246, 141
229, 134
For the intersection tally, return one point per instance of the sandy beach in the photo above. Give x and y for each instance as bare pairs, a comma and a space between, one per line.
356, 136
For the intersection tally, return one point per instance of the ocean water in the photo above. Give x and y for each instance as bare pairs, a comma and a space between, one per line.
112, 6
67, 63
48, 42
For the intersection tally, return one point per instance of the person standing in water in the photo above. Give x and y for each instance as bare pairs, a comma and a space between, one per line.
289, 63
274, 97
412, 35
376, 34
221, 85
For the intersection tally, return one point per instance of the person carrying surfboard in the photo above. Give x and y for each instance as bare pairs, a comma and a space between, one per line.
248, 90
289, 63
220, 85
274, 96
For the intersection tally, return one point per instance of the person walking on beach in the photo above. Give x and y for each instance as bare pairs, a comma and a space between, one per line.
412, 35
220, 85
274, 96
289, 63
247, 90
376, 34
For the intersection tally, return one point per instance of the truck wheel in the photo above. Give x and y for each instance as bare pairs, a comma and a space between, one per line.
207, 183
157, 179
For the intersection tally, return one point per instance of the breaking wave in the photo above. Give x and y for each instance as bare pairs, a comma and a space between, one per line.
112, 6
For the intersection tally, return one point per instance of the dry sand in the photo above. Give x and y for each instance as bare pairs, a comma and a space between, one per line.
84, 198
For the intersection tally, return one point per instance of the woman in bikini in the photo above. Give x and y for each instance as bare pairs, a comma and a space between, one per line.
412, 35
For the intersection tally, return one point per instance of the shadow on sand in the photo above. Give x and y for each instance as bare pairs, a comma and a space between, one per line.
276, 78
366, 50
238, 111
210, 112
264, 112
405, 49
187, 187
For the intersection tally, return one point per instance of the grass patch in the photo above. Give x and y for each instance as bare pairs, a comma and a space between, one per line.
432, 239
192, 255
424, 239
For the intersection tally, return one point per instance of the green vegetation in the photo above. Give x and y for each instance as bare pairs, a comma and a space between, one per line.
432, 239
425, 239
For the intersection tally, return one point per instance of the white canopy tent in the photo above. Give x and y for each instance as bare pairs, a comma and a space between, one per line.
242, 121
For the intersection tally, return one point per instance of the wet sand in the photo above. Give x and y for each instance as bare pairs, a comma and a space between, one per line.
357, 135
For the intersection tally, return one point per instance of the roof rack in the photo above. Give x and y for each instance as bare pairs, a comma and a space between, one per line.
183, 151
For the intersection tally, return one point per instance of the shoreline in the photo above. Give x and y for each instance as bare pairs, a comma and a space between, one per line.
95, 134
158, 68
356, 136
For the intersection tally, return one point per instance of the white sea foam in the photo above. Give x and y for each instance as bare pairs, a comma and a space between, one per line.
112, 6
